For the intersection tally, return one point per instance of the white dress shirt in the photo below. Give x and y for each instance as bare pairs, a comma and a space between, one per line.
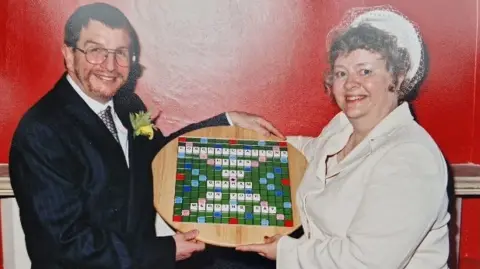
383, 206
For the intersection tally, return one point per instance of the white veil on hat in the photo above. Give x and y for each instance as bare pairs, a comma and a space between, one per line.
393, 22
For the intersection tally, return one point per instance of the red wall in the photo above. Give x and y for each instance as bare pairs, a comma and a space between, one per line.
264, 57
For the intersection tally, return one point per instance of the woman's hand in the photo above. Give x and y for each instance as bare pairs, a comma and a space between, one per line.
268, 249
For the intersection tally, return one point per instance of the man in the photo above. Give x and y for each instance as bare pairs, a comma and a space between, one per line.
83, 183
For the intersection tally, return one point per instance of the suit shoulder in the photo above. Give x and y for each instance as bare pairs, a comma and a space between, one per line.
43, 113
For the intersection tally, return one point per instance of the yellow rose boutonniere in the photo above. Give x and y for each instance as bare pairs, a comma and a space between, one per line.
142, 124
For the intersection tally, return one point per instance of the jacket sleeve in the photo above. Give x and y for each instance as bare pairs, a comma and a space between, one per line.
404, 197
48, 190
219, 120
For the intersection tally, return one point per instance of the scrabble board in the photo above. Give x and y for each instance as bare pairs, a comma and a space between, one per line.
233, 182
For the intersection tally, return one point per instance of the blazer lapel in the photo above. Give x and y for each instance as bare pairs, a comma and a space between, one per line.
84, 116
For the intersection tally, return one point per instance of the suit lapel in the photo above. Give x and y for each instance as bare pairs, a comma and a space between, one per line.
82, 115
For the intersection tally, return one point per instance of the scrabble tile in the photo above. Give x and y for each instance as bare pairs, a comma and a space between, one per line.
241, 209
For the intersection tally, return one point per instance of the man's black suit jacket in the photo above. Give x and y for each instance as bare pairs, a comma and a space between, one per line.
81, 206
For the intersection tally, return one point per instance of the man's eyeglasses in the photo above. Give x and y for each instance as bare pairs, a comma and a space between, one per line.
99, 55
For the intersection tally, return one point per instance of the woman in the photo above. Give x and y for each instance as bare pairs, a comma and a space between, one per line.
374, 193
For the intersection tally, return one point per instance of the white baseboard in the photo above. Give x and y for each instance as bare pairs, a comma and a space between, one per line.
14, 251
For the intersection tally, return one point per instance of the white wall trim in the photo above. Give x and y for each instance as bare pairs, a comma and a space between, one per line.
14, 250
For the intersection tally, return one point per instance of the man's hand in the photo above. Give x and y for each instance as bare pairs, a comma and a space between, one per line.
187, 245
254, 122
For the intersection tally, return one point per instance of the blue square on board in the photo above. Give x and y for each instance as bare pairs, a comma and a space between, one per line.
270, 187
194, 183
270, 176
261, 143
178, 200
248, 216
263, 181
283, 159
188, 166
195, 172
279, 193
264, 222
248, 169
277, 170
287, 205
202, 178
217, 214
201, 219
203, 140
187, 189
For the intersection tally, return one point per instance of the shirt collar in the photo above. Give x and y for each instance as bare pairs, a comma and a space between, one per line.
399, 116
94, 105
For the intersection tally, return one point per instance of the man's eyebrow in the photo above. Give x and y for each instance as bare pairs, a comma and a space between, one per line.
96, 43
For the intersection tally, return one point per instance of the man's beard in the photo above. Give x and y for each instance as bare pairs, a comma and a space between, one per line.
86, 80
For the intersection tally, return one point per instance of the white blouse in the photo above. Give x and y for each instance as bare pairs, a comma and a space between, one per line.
383, 206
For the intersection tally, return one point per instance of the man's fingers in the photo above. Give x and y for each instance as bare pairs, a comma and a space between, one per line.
199, 246
270, 128
190, 235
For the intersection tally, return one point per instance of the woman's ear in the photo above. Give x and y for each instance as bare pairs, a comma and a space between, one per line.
396, 84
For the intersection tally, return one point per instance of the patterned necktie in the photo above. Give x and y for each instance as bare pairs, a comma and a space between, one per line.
107, 118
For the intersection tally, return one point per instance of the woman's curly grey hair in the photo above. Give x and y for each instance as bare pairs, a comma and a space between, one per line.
367, 37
